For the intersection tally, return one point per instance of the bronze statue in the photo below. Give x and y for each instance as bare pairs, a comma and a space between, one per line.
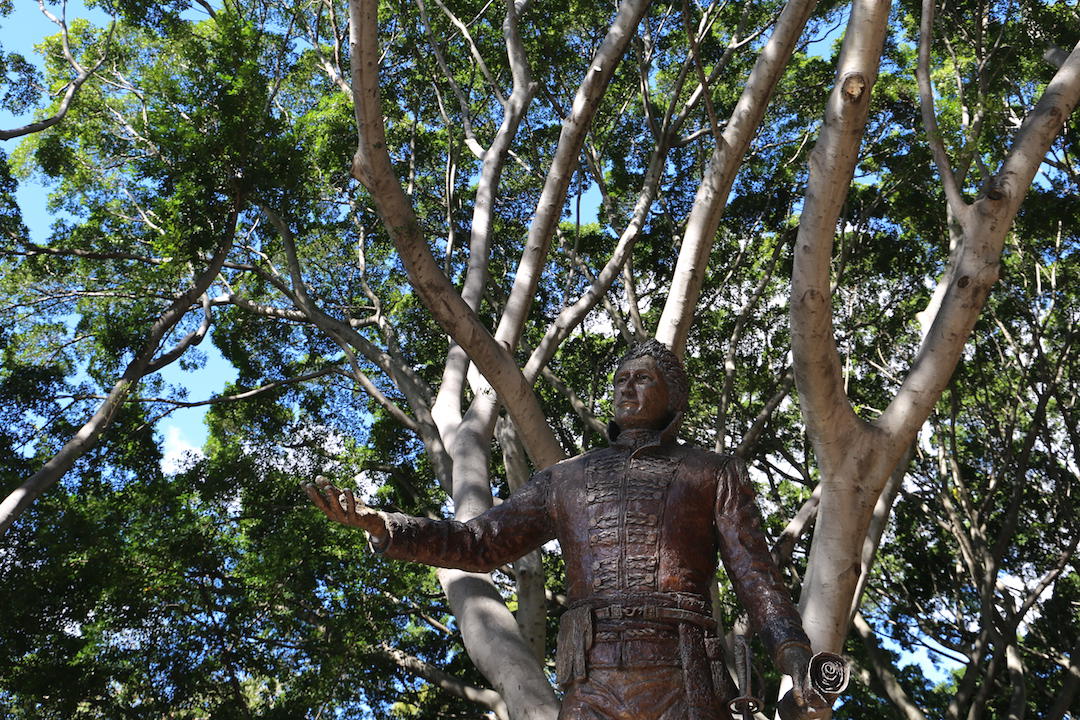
640, 524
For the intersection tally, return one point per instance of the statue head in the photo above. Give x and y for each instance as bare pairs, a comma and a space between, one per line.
661, 389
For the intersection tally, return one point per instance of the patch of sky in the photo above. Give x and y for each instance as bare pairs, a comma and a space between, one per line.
586, 206
823, 44
183, 429
934, 661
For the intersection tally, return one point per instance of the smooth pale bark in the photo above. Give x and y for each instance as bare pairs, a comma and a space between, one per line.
733, 342
1018, 698
494, 643
708, 207
61, 112
796, 528
141, 365
563, 165
878, 523
974, 266
488, 629
751, 436
447, 407
840, 440
855, 457
572, 315
372, 166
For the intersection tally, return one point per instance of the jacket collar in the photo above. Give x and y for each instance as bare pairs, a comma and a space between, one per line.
638, 439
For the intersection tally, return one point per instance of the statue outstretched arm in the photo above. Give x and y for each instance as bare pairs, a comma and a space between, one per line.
498, 536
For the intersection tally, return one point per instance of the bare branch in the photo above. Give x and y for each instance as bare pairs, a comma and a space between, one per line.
82, 74
841, 441
372, 167
751, 436
194, 337
445, 681
883, 671
582, 410
956, 202
973, 267
712, 193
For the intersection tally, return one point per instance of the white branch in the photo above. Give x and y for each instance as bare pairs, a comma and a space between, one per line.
82, 74
712, 194
372, 167
926, 103
973, 269
86, 437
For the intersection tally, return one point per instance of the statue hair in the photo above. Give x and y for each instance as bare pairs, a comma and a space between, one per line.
670, 366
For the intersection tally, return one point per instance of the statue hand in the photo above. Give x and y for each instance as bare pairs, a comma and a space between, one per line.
802, 702
343, 507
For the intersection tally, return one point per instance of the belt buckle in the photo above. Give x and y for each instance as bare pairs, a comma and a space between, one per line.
616, 611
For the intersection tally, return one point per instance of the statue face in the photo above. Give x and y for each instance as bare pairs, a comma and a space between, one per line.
641, 395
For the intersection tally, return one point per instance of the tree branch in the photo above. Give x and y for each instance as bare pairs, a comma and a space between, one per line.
883, 671
955, 200
712, 193
372, 167
86, 437
82, 74
974, 266
445, 681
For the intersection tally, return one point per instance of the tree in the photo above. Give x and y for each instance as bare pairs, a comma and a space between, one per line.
395, 326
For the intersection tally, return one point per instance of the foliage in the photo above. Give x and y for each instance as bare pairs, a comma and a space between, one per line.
215, 591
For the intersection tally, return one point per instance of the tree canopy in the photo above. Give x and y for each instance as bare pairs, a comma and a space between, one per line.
423, 233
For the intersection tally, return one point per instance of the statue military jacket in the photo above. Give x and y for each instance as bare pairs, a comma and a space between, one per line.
644, 516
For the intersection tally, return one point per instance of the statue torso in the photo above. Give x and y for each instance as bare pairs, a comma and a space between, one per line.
637, 521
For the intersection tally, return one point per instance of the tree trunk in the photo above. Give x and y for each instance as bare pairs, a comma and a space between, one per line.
855, 457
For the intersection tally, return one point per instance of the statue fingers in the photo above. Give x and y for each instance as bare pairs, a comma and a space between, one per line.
342, 506
315, 494
353, 508
327, 498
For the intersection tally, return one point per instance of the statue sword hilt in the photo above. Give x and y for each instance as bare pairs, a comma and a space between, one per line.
827, 673
746, 704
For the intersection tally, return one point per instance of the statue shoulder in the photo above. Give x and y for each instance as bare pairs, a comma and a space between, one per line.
707, 458
571, 465
724, 467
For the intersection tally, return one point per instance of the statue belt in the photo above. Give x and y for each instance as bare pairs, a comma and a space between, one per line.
581, 644
654, 613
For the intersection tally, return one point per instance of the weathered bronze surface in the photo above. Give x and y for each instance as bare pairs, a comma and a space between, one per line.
641, 524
